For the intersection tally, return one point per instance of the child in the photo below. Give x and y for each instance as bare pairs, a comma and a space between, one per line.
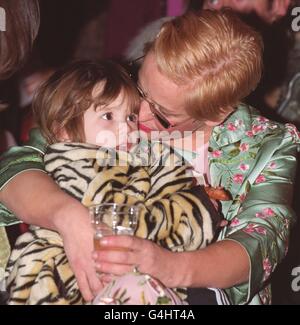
83, 109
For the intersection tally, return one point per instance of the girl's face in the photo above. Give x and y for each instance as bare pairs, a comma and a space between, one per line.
111, 125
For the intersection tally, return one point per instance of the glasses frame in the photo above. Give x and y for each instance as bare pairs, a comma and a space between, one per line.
163, 121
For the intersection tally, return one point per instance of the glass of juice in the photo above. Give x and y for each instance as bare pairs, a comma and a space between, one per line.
113, 219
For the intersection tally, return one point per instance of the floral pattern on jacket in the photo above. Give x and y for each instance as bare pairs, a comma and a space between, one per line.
255, 159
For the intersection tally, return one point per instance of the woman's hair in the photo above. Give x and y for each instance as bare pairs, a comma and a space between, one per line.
216, 56
60, 103
22, 20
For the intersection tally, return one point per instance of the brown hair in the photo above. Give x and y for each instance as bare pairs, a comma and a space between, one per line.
61, 102
22, 24
216, 56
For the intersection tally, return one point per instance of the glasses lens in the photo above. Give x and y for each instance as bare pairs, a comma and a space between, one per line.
134, 72
133, 68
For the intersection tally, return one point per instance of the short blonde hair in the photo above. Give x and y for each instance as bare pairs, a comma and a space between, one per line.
59, 105
216, 56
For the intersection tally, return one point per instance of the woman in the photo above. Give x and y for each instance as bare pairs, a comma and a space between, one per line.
22, 24
198, 69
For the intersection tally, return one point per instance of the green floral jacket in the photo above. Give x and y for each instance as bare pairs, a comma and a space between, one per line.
252, 157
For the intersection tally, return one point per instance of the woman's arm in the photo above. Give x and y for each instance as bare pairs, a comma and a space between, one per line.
28, 193
37, 200
221, 265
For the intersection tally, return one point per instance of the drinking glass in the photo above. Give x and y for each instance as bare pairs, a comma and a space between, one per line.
113, 219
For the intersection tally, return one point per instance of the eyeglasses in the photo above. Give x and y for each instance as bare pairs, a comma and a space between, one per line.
155, 111
154, 107
132, 68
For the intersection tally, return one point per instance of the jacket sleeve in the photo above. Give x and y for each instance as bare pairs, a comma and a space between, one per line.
263, 223
18, 160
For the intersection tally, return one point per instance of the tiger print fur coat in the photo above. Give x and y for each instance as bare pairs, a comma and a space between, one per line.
174, 213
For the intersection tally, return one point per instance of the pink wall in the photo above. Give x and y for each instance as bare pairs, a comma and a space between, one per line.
125, 19
175, 7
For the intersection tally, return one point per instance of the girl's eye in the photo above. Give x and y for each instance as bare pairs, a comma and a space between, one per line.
132, 118
107, 116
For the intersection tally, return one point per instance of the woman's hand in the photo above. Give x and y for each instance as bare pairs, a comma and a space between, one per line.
143, 254
53, 209
211, 267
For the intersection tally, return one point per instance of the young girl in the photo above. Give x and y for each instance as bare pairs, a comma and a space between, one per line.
82, 110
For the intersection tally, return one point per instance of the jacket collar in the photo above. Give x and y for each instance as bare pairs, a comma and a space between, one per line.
235, 127
37, 141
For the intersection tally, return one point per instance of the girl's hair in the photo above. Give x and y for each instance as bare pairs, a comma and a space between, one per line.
216, 56
22, 20
60, 103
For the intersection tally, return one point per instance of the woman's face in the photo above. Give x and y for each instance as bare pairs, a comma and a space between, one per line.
169, 100
269, 10
167, 97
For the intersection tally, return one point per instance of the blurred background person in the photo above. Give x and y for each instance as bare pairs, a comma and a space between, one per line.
22, 19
